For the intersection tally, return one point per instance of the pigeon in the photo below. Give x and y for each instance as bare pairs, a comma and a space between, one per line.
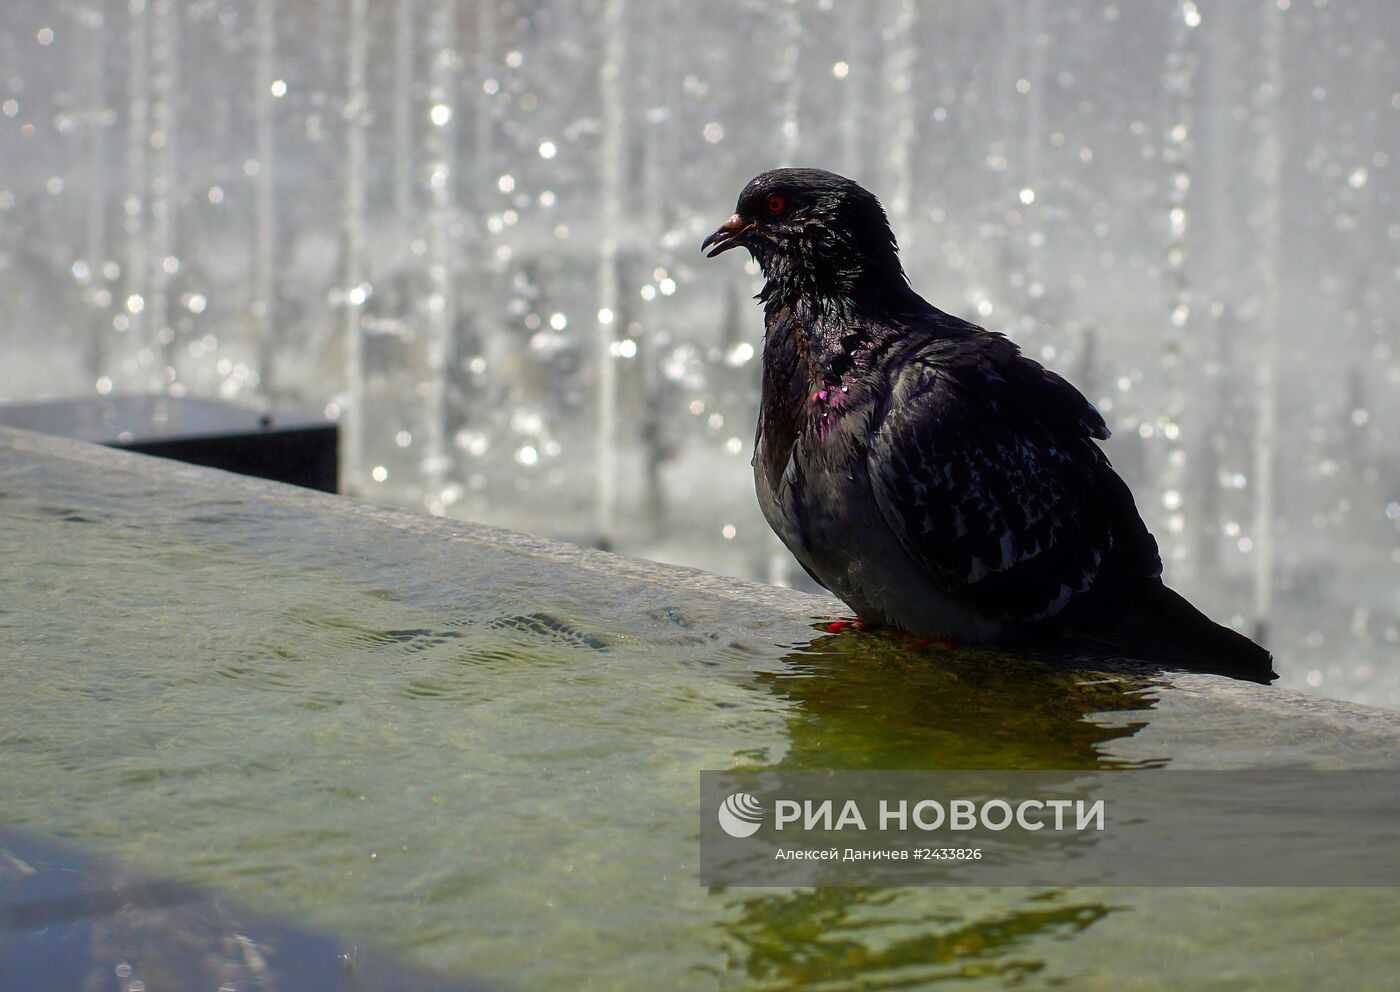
929, 474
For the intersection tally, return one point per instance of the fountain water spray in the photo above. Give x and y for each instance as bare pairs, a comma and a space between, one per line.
658, 166
612, 152
443, 221
853, 71
1179, 83
901, 41
788, 80
1221, 250
1268, 171
352, 438
1032, 86
164, 192
264, 305
403, 122
92, 31
132, 321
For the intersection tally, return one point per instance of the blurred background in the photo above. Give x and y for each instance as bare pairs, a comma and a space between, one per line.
468, 231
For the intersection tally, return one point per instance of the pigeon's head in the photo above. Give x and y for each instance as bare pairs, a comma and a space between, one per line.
813, 233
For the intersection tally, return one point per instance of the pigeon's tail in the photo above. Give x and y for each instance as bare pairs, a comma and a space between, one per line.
1162, 627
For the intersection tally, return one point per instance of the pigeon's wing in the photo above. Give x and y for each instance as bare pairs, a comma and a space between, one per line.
989, 475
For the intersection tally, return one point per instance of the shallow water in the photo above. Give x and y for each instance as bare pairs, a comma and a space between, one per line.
488, 760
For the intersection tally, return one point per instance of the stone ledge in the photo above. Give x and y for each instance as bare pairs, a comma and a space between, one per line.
591, 559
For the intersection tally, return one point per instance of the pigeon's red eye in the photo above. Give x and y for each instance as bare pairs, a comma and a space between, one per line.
776, 204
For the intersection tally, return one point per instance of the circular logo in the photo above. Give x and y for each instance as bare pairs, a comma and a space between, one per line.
741, 815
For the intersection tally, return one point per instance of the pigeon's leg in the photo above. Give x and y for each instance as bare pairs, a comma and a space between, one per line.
914, 643
836, 626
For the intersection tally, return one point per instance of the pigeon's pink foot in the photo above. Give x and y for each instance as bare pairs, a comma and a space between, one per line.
836, 626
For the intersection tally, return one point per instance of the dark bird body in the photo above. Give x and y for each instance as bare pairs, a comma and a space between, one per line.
924, 470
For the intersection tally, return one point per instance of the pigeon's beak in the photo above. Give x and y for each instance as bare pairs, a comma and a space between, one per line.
726, 236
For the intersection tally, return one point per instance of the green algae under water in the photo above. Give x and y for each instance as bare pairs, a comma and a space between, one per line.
488, 760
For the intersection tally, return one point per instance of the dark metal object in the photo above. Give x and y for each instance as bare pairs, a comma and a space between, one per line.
297, 450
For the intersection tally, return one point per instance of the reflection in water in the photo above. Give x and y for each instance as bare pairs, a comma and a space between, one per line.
862, 701
839, 938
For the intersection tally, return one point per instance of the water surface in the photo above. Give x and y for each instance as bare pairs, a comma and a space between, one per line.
488, 759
